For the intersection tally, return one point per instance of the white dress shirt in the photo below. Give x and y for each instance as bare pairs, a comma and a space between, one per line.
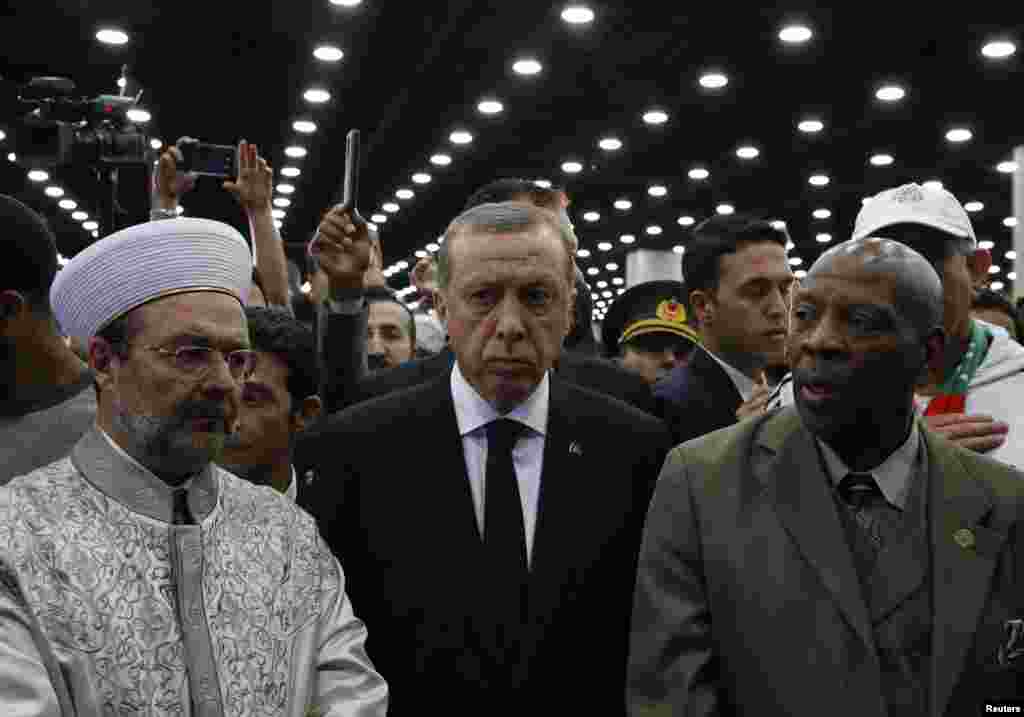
743, 383
893, 475
473, 414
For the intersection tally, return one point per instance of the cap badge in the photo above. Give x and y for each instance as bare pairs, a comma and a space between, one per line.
908, 193
671, 311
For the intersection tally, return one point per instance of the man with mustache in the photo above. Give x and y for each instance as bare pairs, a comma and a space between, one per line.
738, 276
835, 556
164, 583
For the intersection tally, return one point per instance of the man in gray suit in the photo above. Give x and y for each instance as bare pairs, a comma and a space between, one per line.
835, 557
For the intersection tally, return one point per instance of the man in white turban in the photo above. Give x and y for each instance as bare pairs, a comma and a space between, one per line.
159, 582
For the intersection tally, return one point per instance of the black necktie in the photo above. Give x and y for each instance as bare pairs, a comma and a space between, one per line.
504, 535
181, 515
872, 512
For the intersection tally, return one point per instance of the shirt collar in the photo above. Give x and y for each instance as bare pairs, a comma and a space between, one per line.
892, 475
293, 488
108, 467
472, 412
743, 383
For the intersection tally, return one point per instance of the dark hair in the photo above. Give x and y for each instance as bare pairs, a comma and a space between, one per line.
581, 338
274, 331
720, 235
986, 298
28, 258
933, 244
382, 293
507, 189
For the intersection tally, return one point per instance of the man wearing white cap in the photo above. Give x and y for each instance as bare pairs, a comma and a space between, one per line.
978, 405
164, 584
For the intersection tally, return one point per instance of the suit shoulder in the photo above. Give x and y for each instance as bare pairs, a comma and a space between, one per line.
720, 447
590, 403
1004, 480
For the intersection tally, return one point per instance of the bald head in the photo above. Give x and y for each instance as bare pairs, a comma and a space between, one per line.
917, 288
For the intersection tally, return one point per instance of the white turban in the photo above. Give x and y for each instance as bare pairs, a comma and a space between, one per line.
144, 262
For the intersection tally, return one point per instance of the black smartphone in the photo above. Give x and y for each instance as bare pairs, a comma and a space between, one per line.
209, 160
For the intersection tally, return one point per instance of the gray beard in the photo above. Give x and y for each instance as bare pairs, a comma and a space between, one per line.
167, 446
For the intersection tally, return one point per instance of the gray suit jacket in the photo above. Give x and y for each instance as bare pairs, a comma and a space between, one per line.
748, 602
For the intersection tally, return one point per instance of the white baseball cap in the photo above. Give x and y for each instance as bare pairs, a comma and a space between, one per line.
914, 204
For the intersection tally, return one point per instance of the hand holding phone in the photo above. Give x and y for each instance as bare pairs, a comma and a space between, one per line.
207, 160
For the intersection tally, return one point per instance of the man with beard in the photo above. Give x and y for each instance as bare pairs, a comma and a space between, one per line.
837, 556
736, 271
163, 582
47, 397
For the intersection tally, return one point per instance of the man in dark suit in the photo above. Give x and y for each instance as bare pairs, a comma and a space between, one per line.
489, 519
836, 557
738, 276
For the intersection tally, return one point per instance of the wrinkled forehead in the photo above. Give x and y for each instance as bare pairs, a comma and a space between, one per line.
215, 316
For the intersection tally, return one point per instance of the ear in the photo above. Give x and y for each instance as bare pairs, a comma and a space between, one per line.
700, 302
978, 264
441, 305
101, 359
12, 304
308, 413
935, 349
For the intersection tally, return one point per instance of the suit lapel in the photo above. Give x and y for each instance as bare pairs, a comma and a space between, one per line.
961, 574
795, 482
708, 376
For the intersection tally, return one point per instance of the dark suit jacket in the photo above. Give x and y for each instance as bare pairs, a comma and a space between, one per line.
393, 501
748, 601
587, 371
697, 398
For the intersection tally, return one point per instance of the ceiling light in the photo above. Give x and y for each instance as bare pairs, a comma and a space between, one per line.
618, 280
657, 190
823, 238
138, 115
932, 184
974, 206
592, 216
304, 126
799, 274
278, 213
593, 271
998, 49
778, 225
328, 53
527, 66
890, 93
810, 126
818, 180
821, 213
38, 175
432, 247
1006, 167
155, 143
295, 152
583, 253
698, 173
90, 226
604, 246
996, 285
578, 15
390, 207
54, 191
986, 244
290, 172
461, 136
572, 167
286, 188
959, 134
994, 269
653, 230
795, 34
607, 294
627, 238
790, 246
79, 216
1010, 222
544, 183
1011, 255
611, 267
404, 193
421, 178
679, 249
12, 157
282, 202
686, 221
67, 204
110, 36
882, 160
713, 80
346, 3
490, 107
655, 117
379, 218
278, 224
747, 152
725, 209
316, 95
602, 284
610, 144
795, 261
441, 160
420, 254
623, 205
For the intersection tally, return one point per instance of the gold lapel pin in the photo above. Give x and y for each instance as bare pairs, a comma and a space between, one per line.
964, 538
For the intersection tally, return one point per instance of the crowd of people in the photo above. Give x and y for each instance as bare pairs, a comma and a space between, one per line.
749, 494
